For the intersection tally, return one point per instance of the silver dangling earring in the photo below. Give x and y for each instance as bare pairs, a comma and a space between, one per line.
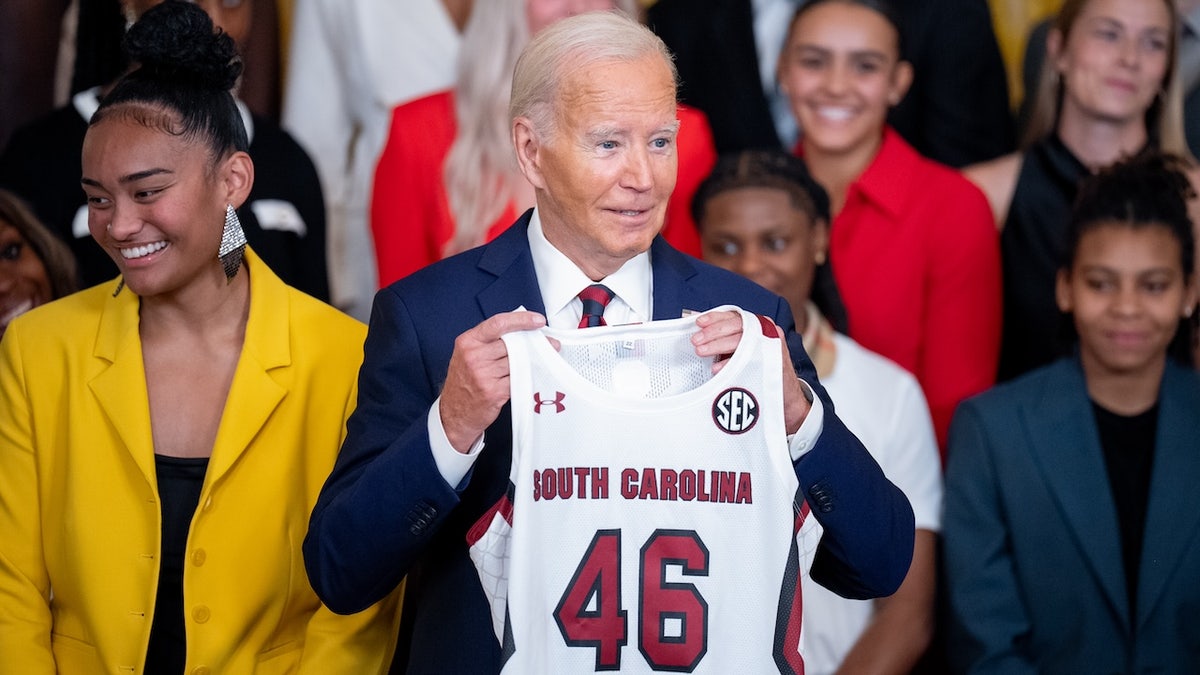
233, 243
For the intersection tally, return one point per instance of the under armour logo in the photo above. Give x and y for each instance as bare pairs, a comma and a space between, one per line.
557, 402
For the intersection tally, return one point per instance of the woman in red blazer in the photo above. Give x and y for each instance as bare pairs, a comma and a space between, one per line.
447, 179
912, 245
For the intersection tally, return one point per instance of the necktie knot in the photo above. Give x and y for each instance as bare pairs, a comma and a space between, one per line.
594, 298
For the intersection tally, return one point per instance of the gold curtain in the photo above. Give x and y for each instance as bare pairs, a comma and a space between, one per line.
1013, 19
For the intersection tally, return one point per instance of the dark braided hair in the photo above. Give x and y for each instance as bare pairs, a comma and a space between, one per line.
778, 170
183, 68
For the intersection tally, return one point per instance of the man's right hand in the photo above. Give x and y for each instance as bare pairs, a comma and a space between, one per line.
477, 380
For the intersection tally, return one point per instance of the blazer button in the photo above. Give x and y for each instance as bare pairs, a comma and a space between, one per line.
199, 557
201, 614
823, 498
420, 518
201, 670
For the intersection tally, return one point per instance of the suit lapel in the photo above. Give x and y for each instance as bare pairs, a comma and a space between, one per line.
1170, 529
254, 393
1066, 448
507, 258
120, 387
672, 291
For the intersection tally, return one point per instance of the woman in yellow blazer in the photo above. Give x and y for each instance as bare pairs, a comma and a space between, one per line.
163, 437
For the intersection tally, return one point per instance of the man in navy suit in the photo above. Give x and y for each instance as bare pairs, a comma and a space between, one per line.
428, 448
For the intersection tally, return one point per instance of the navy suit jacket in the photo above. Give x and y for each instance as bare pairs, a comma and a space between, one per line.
386, 512
956, 111
1033, 563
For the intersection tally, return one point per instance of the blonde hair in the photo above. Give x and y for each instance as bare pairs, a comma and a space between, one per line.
1164, 117
480, 173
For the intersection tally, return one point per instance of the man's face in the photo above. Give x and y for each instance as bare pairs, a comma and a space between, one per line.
604, 172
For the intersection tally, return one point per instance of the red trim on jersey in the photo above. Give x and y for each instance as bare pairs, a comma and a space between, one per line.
768, 326
503, 506
791, 640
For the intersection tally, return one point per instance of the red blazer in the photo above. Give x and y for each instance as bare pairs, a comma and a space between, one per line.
916, 257
410, 213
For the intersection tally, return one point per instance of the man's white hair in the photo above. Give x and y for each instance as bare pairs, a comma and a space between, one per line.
568, 46
480, 172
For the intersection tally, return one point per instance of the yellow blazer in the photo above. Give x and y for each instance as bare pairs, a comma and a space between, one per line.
80, 519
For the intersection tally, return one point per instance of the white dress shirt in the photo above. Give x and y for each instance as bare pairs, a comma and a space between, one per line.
560, 281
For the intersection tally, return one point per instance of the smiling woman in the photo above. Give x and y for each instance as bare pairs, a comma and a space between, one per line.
1108, 89
1051, 576
149, 427
911, 243
35, 267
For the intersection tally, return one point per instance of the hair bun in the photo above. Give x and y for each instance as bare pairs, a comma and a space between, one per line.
176, 41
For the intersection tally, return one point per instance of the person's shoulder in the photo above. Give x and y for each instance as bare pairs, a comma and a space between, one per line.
268, 135
1183, 378
328, 318
939, 187
997, 179
452, 281
48, 138
310, 320
877, 371
420, 134
438, 106
1028, 388
56, 320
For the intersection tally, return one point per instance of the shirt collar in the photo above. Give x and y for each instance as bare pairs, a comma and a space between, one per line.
887, 180
560, 280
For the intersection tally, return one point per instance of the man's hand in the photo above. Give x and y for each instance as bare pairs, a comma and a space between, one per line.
719, 335
477, 379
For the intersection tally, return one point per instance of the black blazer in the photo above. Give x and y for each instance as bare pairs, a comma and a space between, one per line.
956, 111
385, 511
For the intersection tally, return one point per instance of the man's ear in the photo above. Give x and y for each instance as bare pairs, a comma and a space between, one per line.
237, 177
528, 145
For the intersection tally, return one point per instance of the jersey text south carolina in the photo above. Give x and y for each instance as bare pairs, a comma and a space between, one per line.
685, 485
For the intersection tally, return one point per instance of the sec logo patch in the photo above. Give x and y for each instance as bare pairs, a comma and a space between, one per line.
735, 411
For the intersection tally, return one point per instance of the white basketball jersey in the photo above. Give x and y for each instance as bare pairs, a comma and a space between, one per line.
653, 519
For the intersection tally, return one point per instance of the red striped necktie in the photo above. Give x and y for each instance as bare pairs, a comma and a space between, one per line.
595, 298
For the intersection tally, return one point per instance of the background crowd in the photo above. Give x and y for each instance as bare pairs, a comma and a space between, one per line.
980, 212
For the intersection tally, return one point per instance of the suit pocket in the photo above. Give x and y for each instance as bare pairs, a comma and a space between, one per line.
74, 657
280, 660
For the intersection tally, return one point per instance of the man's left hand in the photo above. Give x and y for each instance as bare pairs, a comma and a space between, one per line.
719, 335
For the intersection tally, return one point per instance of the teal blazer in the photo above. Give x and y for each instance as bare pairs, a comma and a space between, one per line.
1033, 564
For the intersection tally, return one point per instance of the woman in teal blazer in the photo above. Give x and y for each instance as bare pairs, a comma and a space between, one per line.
164, 437
1072, 515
